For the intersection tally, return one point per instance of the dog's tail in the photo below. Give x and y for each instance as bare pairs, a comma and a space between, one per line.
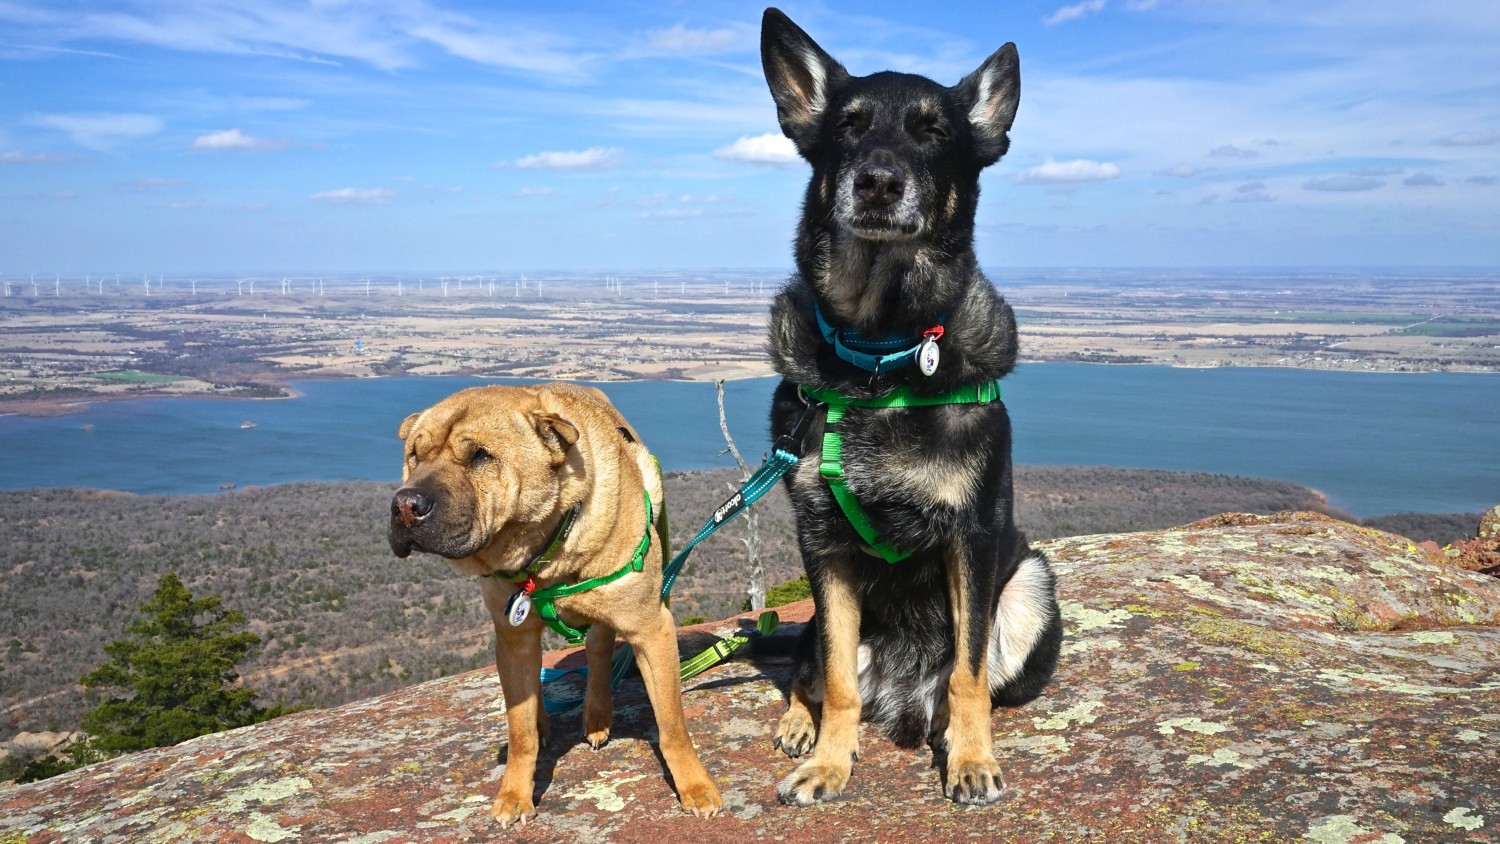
1027, 634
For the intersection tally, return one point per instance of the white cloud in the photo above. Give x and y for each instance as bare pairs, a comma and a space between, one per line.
1074, 12
593, 158
771, 148
682, 40
234, 139
100, 132
355, 196
533, 52
1079, 170
1343, 184
528, 192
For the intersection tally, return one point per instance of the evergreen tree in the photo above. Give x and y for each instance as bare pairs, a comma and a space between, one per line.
173, 675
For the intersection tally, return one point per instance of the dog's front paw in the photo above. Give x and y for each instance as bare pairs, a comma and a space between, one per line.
796, 734
512, 807
811, 782
700, 798
596, 727
973, 780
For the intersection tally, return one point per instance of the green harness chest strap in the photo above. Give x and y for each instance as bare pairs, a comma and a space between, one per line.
831, 463
545, 600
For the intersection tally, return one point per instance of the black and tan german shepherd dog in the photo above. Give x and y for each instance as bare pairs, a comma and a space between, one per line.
926, 646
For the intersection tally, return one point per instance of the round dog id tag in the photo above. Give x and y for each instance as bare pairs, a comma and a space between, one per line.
927, 356
517, 608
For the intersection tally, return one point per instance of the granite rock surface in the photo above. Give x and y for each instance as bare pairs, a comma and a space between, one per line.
1245, 678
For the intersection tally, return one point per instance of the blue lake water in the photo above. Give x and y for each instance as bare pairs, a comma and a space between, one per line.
1375, 443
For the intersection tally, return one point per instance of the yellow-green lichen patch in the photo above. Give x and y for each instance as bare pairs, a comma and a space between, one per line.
1353, 681
1187, 665
264, 792
1462, 819
1433, 637
601, 790
1048, 745
1343, 829
1221, 758
1257, 639
265, 828
1191, 725
1084, 618
1078, 646
1080, 713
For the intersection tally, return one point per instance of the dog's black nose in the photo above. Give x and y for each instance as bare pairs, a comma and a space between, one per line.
411, 506
879, 183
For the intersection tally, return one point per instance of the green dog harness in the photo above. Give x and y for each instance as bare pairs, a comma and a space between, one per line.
545, 600
831, 463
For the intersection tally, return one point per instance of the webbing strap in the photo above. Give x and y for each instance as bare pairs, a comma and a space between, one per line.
756, 486
831, 462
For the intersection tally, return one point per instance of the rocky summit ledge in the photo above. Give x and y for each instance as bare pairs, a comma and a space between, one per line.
1240, 679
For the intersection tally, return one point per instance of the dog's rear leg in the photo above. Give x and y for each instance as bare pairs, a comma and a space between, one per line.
798, 730
656, 654
824, 774
598, 708
972, 775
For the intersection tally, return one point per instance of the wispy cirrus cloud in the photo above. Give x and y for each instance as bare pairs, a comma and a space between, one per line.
100, 132
771, 148
235, 139
1471, 139
593, 158
534, 52
682, 40
19, 157
1348, 183
1077, 11
356, 196
1066, 172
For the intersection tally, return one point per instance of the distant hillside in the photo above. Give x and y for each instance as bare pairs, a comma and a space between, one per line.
342, 619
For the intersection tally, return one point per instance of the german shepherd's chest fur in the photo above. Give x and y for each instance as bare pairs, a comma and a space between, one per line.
884, 248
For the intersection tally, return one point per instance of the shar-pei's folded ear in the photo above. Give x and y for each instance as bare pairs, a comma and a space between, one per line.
556, 433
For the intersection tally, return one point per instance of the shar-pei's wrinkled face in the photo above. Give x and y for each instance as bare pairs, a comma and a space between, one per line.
479, 460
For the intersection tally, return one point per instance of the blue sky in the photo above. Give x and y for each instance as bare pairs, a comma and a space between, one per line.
180, 136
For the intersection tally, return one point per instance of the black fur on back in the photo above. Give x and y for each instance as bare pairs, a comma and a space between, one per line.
932, 479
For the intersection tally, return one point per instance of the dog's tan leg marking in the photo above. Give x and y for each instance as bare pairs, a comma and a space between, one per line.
798, 730
598, 708
825, 773
656, 654
972, 775
518, 659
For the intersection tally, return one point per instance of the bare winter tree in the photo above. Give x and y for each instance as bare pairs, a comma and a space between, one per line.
757, 589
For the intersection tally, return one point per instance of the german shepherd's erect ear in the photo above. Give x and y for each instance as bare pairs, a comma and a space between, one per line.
801, 76
990, 96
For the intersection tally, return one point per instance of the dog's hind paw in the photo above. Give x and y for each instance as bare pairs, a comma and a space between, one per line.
973, 781
700, 798
813, 782
796, 734
512, 808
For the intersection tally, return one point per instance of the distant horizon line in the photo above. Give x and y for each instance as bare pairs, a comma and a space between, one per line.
135, 274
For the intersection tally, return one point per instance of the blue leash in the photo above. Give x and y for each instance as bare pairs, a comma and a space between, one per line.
757, 485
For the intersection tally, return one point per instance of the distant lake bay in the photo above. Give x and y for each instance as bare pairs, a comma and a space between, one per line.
1374, 443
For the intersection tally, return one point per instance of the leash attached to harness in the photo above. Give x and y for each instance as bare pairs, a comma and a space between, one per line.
757, 485
831, 462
